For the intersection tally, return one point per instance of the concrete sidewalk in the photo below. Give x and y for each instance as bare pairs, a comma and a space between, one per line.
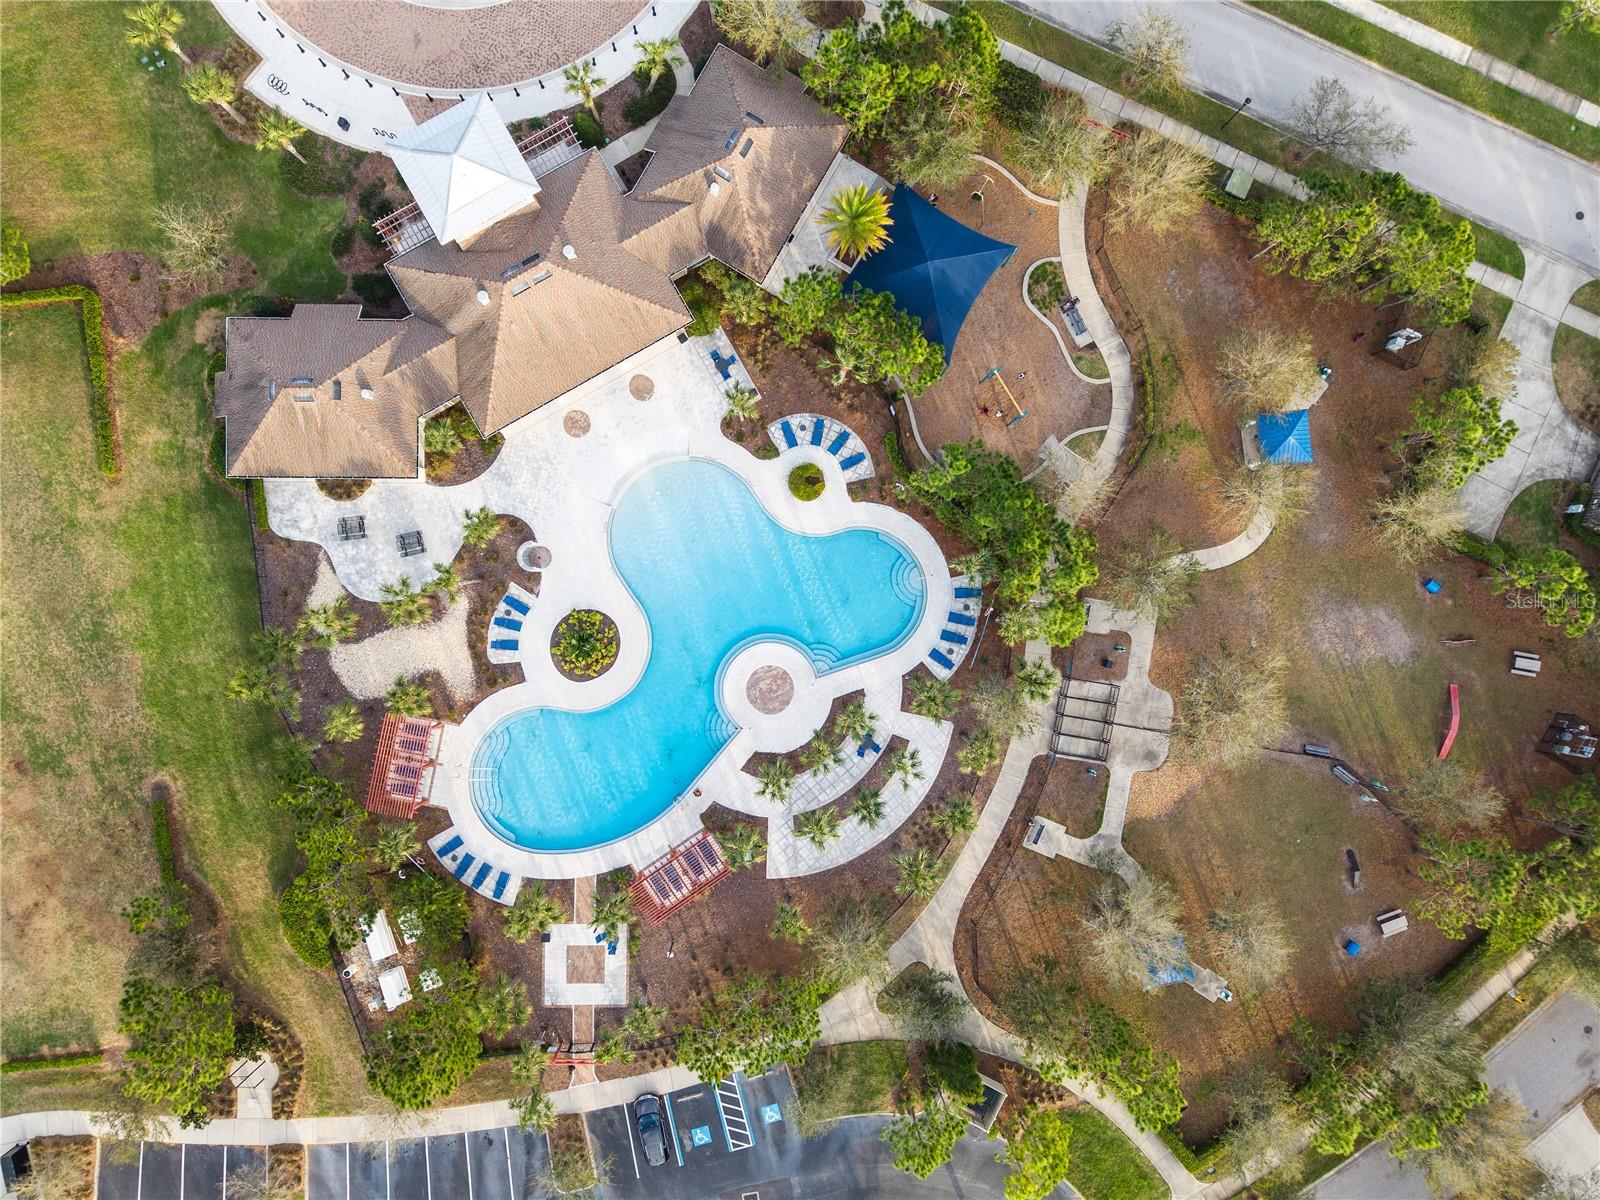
1459, 52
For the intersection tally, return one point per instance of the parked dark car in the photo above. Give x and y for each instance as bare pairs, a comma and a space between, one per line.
652, 1133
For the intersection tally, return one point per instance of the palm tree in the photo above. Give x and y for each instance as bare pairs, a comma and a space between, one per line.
343, 723
395, 844
821, 754
868, 807
857, 218
155, 24
207, 84
446, 579
251, 683
278, 649
643, 1021
274, 131
856, 722
403, 604
657, 58
409, 699
534, 911
819, 826
743, 846
481, 528
790, 923
327, 625
610, 1048
919, 874
584, 82
777, 780
612, 910
503, 1005
956, 817
933, 698
535, 1110
906, 765
743, 401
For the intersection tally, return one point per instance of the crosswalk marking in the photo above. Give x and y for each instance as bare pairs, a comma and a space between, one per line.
735, 1124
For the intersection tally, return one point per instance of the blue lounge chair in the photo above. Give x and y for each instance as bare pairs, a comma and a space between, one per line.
861, 750
817, 427
500, 884
874, 747
598, 938
788, 434
449, 848
960, 618
855, 460
968, 593
838, 442
508, 623
723, 364
483, 873
943, 659
951, 636
514, 604
611, 947
503, 644
461, 867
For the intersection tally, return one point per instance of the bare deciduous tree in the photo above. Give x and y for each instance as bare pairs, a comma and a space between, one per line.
1133, 931
1252, 943
197, 236
1283, 492
1058, 148
1329, 117
1149, 577
1156, 186
1232, 706
1156, 47
1485, 361
1480, 1157
1266, 368
1445, 794
928, 1005
1414, 522
1265, 1125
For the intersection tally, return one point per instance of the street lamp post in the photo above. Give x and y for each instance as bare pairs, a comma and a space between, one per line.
1235, 113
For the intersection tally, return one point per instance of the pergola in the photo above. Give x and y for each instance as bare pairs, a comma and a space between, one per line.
402, 766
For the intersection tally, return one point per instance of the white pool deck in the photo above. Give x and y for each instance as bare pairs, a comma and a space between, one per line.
564, 488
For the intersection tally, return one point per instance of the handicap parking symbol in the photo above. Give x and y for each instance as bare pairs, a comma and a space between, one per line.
700, 1135
771, 1114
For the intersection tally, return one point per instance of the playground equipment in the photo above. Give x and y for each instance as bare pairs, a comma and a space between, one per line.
1021, 413
1455, 721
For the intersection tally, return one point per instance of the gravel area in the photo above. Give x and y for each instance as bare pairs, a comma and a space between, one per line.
369, 668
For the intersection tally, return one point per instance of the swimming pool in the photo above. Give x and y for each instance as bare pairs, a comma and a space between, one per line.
713, 572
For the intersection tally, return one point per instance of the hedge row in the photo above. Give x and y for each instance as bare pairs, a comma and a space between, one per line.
895, 455
1196, 1160
16, 1066
88, 301
161, 832
258, 503
1250, 210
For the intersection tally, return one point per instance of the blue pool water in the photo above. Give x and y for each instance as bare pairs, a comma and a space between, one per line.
712, 571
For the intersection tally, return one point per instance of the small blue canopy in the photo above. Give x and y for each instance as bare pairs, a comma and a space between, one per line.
934, 267
1285, 437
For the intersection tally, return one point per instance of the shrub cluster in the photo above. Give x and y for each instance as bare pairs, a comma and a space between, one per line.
648, 105
88, 300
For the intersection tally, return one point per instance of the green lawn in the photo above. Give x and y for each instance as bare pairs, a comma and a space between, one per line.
1105, 1164
1588, 296
847, 1080
1575, 366
1516, 33
94, 143
1497, 250
1434, 71
139, 596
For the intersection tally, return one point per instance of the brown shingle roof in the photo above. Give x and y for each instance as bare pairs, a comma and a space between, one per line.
291, 395
549, 323
760, 140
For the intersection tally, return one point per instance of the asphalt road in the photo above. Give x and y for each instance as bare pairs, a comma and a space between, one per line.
1485, 170
1548, 1064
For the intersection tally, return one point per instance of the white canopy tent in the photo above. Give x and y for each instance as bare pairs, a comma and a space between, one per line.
395, 987
380, 938
464, 169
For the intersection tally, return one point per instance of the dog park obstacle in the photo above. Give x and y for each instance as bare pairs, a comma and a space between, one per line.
995, 374
1455, 721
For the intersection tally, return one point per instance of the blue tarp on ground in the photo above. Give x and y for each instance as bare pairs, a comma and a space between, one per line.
934, 268
1162, 975
1285, 437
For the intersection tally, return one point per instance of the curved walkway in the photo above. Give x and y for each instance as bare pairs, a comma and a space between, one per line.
1549, 443
1080, 283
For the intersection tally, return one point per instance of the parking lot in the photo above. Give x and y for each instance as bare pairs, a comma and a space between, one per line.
724, 1139
489, 1164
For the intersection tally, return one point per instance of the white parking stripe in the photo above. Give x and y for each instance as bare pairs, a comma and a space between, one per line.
627, 1119
427, 1167
735, 1124
347, 1171
139, 1190
224, 1173
511, 1179
672, 1124
183, 1161
466, 1152
388, 1185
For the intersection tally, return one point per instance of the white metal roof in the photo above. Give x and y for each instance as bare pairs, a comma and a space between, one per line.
463, 168
395, 987
380, 939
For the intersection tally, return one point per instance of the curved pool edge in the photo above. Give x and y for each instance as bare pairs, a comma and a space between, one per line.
832, 512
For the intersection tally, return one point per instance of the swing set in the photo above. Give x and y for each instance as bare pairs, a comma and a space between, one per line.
1021, 414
